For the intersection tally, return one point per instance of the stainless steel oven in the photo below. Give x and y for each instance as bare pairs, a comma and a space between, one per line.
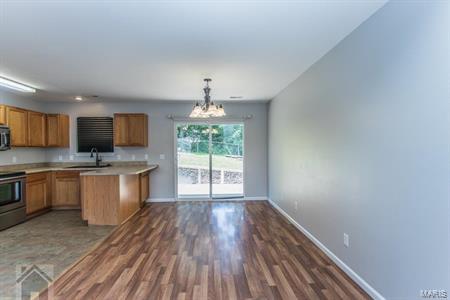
5, 138
12, 198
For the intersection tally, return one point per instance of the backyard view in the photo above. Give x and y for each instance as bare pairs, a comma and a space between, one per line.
194, 149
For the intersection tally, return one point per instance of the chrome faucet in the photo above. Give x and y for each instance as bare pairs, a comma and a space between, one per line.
97, 158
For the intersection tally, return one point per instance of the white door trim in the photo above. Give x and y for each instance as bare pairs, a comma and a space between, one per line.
208, 122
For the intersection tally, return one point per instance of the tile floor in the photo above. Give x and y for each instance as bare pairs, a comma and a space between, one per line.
53, 242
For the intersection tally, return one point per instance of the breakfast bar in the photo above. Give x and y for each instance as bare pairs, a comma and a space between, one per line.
110, 196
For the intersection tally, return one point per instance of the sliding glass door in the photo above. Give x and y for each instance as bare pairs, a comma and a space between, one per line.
210, 160
193, 160
227, 160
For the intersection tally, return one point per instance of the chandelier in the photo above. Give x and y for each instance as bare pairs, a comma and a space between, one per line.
207, 109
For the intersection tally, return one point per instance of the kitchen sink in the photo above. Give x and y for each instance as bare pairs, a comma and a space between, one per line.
88, 166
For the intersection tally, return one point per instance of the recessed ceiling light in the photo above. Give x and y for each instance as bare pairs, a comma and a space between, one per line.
79, 98
236, 97
17, 86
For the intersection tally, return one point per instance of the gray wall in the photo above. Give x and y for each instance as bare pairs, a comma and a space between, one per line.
161, 139
22, 155
361, 141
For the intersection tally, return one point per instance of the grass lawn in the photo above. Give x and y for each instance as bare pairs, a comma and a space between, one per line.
202, 160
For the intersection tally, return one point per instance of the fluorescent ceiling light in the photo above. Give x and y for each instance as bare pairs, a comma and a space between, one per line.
79, 98
16, 86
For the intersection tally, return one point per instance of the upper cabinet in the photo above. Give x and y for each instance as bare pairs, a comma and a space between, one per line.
2, 114
17, 120
120, 130
58, 134
131, 130
36, 129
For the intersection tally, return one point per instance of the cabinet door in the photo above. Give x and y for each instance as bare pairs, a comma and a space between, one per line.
137, 130
52, 131
36, 129
64, 131
36, 196
17, 121
36, 192
66, 189
2, 115
120, 130
145, 186
58, 130
48, 200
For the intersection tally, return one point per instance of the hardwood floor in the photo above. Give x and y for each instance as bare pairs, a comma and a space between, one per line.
204, 250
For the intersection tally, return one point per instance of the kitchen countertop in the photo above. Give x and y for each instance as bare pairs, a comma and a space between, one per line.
132, 170
42, 169
113, 170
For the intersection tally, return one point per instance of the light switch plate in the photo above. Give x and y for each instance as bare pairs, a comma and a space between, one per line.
146, 156
71, 157
162, 156
118, 157
346, 240
14, 159
60, 157
133, 157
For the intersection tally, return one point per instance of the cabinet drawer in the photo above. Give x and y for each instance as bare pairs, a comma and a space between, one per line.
67, 174
37, 177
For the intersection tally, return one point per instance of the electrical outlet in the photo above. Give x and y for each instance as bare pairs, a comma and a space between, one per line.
162, 156
14, 159
60, 157
133, 157
71, 157
146, 156
118, 157
346, 240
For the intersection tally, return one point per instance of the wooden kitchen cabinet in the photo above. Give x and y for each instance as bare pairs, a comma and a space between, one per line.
120, 130
131, 130
36, 129
144, 187
38, 192
17, 120
2, 115
66, 189
58, 134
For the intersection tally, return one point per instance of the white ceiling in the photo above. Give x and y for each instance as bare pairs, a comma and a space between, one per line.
155, 50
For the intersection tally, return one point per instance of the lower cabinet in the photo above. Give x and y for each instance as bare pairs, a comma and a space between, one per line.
38, 192
66, 189
144, 187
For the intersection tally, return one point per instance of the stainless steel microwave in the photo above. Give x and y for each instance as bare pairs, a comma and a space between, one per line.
5, 138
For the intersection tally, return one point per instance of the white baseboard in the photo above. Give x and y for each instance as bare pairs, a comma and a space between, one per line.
160, 200
352, 274
262, 198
